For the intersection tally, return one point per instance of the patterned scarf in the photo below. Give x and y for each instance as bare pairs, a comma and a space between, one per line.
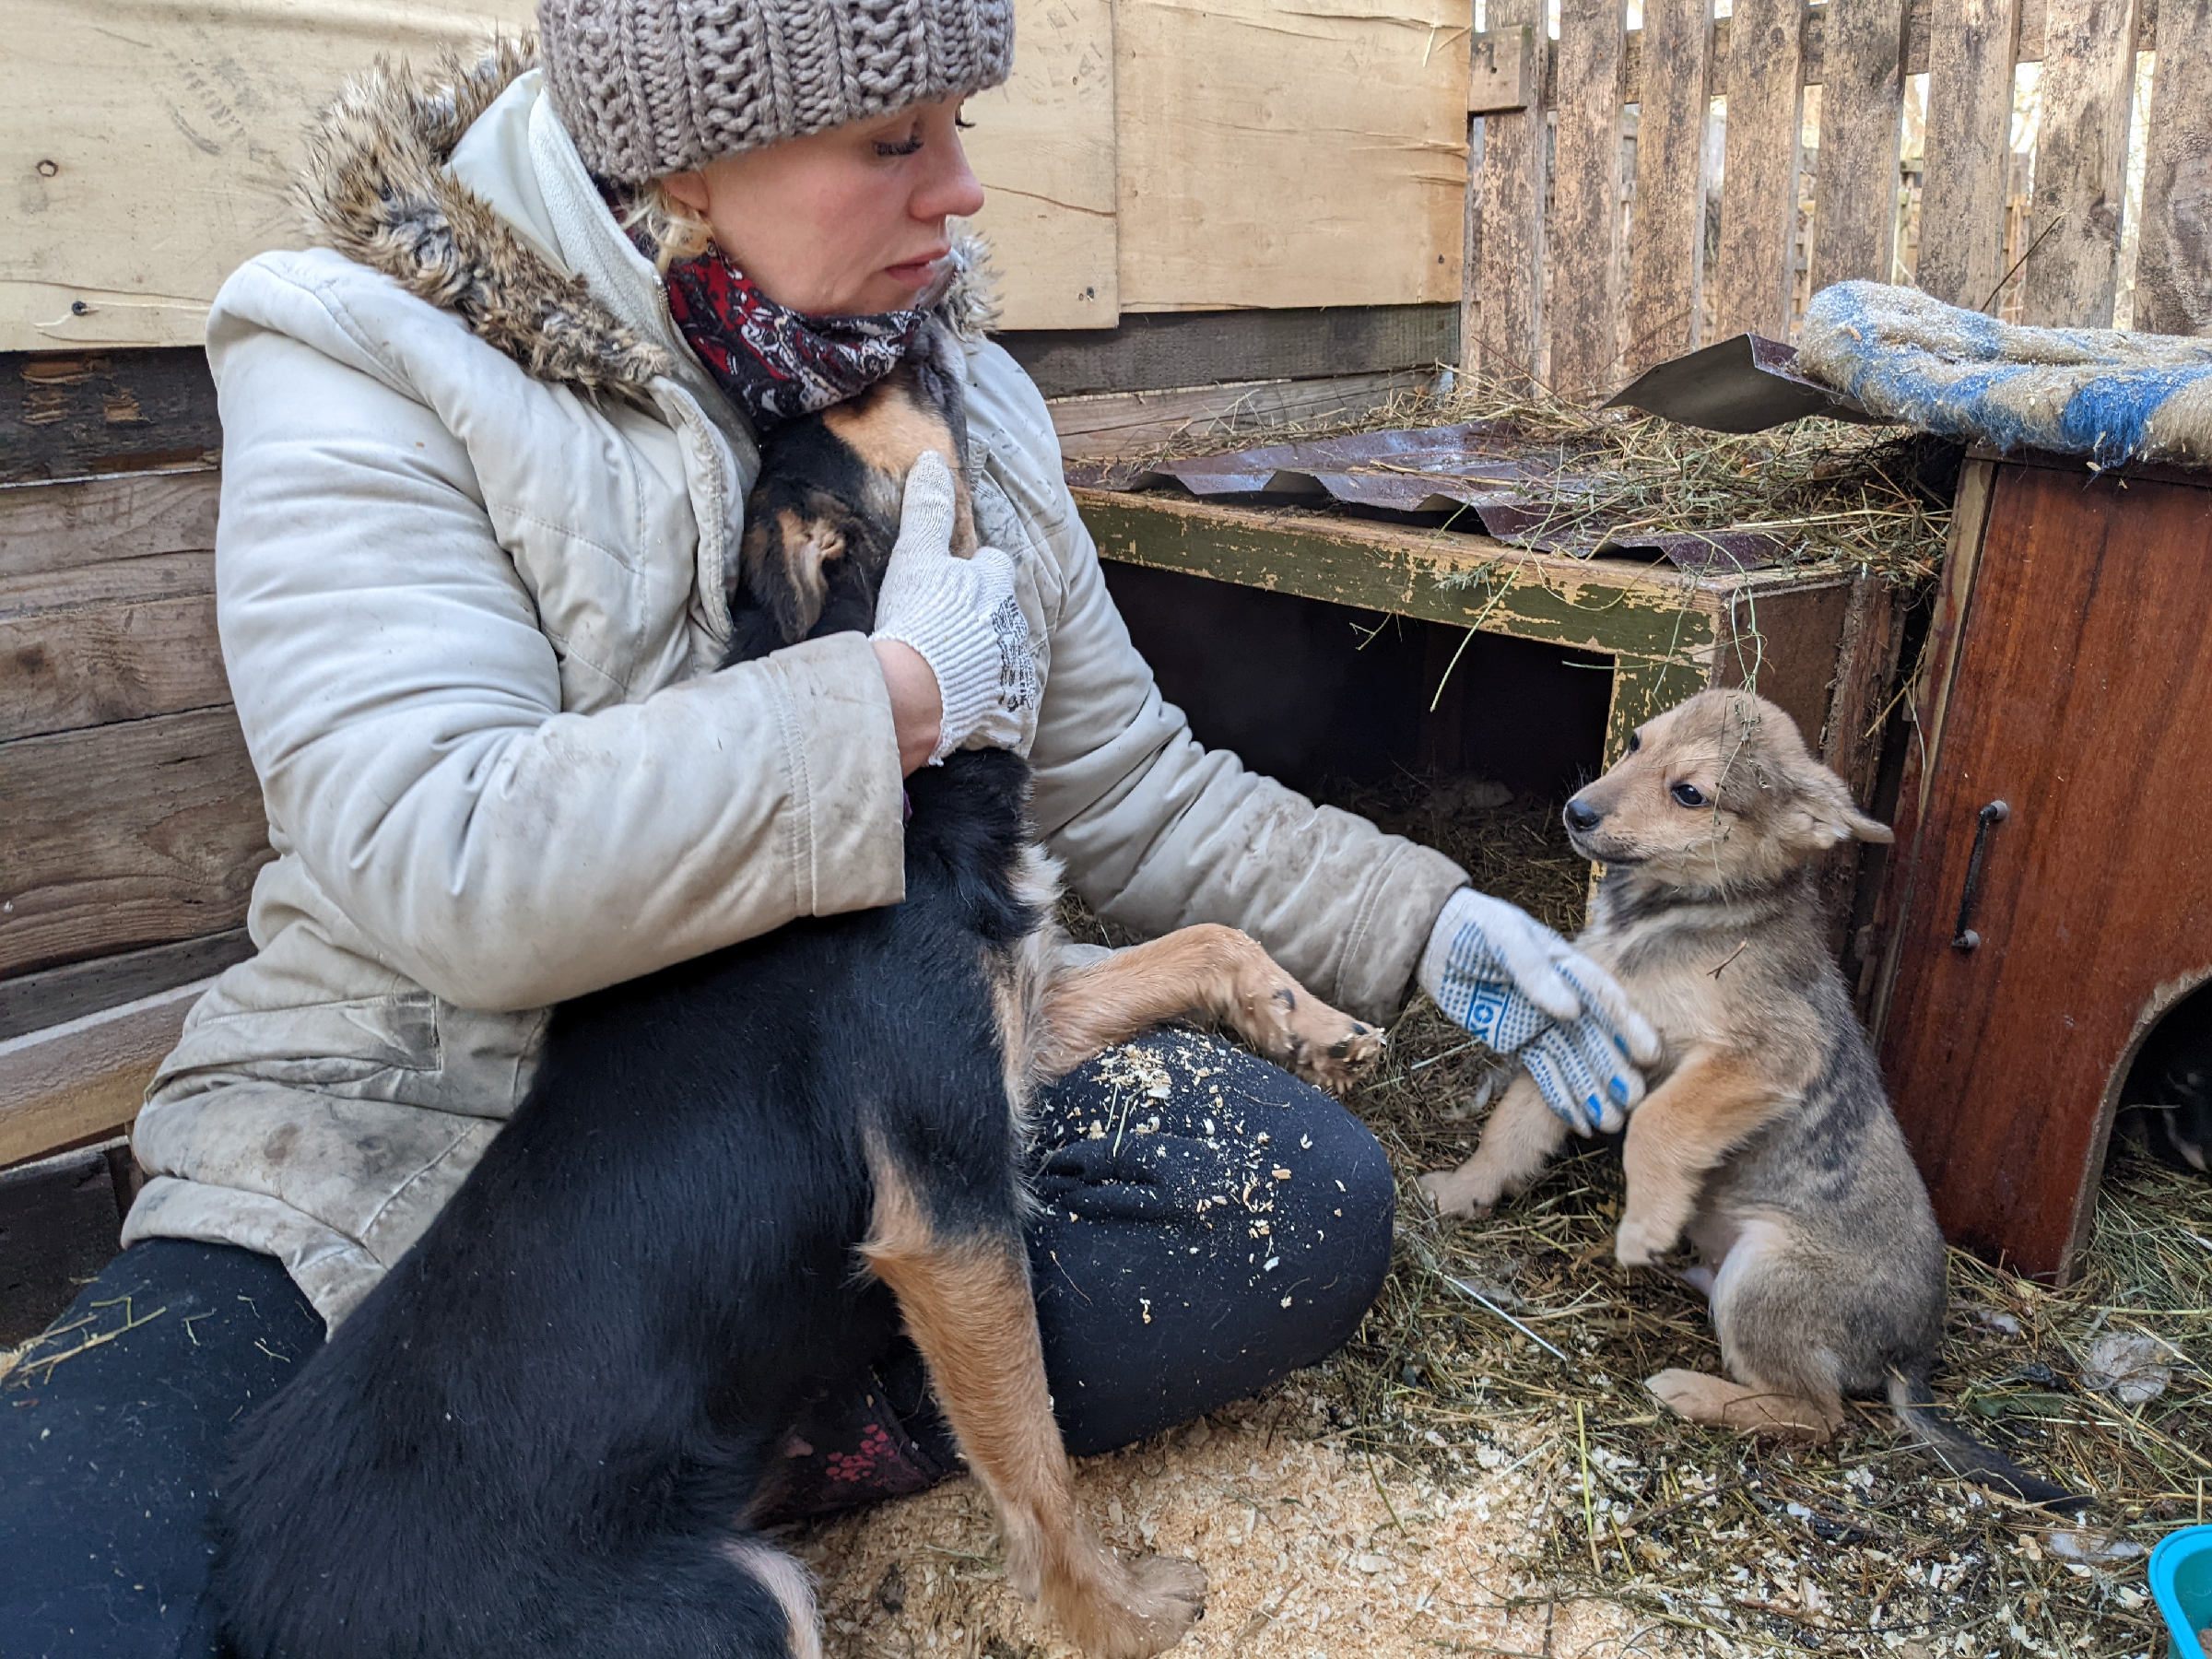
770, 361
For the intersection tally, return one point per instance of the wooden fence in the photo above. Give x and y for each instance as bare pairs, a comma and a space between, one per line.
1590, 255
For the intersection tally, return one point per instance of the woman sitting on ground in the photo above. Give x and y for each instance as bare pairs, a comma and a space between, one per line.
487, 451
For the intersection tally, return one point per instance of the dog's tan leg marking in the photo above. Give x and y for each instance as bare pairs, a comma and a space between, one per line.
968, 1308
1522, 1135
1709, 1399
1713, 1101
1213, 971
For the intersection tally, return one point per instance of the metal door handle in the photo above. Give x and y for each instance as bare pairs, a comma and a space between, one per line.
1964, 938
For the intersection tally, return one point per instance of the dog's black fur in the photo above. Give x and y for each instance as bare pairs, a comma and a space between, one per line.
540, 1434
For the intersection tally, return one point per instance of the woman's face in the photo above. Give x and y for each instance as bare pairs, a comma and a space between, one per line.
843, 223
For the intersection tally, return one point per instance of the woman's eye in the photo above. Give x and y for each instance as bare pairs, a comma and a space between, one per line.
908, 146
962, 123
1688, 794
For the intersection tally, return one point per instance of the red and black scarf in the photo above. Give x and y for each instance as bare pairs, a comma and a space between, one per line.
770, 361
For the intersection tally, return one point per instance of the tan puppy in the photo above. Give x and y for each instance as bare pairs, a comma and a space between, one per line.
1767, 1139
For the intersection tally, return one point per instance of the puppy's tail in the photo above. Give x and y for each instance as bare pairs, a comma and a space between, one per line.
1918, 1414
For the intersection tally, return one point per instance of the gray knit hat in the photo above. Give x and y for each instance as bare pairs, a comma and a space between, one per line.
649, 87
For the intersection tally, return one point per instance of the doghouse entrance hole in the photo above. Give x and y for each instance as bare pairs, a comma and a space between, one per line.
1312, 693
2172, 1067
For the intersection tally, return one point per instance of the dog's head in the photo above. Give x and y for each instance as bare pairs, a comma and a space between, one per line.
1717, 793
820, 522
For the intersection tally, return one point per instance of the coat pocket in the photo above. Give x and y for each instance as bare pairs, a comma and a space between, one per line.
351, 1047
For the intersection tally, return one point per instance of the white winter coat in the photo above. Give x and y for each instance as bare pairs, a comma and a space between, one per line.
478, 502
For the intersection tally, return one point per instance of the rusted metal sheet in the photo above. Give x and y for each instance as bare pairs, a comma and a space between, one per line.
1472, 475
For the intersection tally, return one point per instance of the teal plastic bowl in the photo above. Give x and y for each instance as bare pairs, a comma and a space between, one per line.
2180, 1582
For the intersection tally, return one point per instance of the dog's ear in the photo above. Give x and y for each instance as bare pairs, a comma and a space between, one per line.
783, 561
1823, 815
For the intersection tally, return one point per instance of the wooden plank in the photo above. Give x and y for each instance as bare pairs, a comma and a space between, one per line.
1507, 71
1585, 228
1666, 240
70, 1081
32, 1001
2073, 251
157, 154
125, 836
1279, 156
2079, 683
1508, 203
1862, 103
1130, 424
68, 666
48, 528
1043, 147
1619, 607
2173, 262
155, 157
1971, 57
1160, 350
1758, 192
75, 415
60, 1224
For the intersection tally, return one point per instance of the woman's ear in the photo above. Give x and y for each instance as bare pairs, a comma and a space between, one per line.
690, 189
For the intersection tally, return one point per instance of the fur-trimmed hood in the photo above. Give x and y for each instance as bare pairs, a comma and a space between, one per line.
379, 189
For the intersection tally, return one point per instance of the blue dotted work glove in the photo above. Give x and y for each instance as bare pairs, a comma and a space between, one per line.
1526, 992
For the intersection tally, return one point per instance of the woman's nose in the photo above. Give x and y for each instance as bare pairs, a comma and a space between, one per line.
954, 192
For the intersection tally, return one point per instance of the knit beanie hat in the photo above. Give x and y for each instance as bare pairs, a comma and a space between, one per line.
650, 88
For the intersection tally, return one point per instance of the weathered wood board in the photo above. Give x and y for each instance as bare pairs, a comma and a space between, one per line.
1275, 155
1668, 635
1043, 145
155, 157
85, 1077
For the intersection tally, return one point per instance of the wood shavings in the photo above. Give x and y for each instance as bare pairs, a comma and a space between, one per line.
1303, 1557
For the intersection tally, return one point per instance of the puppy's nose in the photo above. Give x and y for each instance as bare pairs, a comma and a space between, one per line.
1580, 815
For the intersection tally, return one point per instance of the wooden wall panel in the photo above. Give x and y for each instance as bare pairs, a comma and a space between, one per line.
1758, 205
1289, 155
125, 836
154, 158
1585, 231
1667, 238
1970, 58
1507, 207
2073, 251
1862, 103
2173, 265
1044, 147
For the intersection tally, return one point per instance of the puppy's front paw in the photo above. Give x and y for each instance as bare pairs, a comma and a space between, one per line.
1149, 1609
1461, 1192
1643, 1239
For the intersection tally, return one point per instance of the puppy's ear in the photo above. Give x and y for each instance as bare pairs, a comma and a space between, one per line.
1823, 814
783, 559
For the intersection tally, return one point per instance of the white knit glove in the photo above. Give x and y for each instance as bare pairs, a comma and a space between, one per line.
961, 615
1526, 992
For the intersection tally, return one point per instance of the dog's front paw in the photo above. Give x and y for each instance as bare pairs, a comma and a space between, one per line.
1643, 1239
1306, 1036
1461, 1192
1151, 1608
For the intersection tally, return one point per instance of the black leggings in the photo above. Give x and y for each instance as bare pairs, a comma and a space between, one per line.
1207, 1224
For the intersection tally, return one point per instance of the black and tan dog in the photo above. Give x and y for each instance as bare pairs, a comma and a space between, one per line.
731, 1184
1767, 1139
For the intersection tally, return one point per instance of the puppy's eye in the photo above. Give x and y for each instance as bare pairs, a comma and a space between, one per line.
1688, 794
1635, 741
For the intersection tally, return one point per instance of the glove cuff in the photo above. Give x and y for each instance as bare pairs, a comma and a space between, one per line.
1436, 955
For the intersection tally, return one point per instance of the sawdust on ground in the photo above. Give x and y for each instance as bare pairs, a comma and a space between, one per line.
1308, 1552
